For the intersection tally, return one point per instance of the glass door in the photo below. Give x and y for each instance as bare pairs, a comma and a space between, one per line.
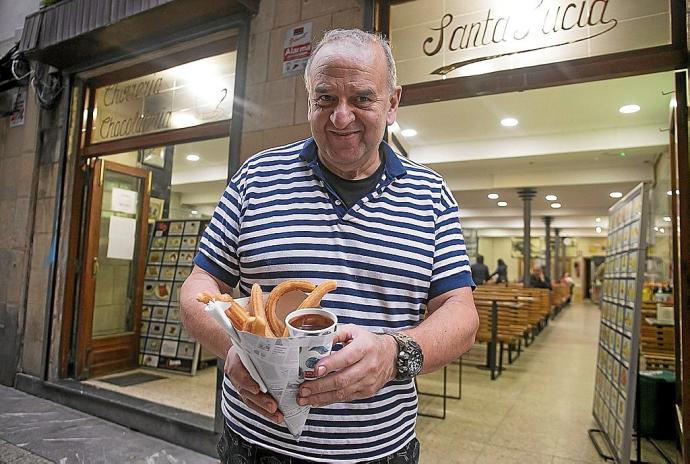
114, 257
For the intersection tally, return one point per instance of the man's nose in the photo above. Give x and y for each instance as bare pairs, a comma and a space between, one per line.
342, 115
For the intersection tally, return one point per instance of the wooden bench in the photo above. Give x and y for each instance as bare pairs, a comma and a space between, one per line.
502, 324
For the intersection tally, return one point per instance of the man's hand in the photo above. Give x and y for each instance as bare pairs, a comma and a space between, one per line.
249, 390
364, 365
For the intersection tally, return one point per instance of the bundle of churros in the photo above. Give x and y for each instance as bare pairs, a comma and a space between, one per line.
261, 319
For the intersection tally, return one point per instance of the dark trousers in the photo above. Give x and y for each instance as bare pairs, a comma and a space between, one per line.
233, 449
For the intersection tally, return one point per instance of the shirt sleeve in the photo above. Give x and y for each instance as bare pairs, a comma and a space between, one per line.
451, 268
218, 247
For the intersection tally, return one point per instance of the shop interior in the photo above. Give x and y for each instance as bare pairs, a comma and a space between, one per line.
581, 147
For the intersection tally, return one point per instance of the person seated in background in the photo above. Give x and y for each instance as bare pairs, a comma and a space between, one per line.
567, 280
480, 271
501, 272
537, 278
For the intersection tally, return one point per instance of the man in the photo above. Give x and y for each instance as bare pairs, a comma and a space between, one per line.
480, 271
537, 278
341, 205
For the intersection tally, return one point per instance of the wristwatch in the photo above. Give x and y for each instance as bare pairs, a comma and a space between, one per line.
410, 358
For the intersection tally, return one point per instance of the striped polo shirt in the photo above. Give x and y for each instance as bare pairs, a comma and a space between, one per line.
393, 251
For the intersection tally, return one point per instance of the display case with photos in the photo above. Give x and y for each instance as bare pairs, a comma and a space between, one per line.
614, 393
164, 343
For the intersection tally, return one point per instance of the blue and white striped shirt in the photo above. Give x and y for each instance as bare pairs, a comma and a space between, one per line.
393, 251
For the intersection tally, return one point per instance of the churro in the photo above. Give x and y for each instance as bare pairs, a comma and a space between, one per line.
276, 325
315, 297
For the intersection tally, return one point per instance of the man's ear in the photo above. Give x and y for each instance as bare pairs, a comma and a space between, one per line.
394, 103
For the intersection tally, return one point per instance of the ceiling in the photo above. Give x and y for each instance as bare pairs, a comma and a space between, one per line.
571, 141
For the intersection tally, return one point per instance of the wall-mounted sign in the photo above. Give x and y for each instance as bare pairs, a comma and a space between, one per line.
297, 48
18, 108
433, 40
184, 96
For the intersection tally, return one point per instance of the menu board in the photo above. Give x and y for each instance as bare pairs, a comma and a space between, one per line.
617, 359
164, 343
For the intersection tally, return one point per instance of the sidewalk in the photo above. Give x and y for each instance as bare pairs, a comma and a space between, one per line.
34, 430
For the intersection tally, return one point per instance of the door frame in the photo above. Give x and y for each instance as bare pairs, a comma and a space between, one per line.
680, 215
87, 346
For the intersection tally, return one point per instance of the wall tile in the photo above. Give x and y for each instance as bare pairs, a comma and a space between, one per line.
257, 68
314, 8
348, 19
286, 12
263, 21
301, 101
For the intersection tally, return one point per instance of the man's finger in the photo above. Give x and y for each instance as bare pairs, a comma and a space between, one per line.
344, 334
337, 360
258, 406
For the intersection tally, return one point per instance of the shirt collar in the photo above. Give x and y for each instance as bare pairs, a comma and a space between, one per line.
393, 169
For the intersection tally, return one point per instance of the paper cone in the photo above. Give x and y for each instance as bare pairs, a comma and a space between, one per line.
273, 362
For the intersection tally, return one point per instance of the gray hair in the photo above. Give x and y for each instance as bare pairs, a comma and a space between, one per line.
357, 37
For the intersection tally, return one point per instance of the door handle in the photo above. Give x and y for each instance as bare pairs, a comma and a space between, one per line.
95, 267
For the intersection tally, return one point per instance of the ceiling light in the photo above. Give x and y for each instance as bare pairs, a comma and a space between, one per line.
408, 132
655, 228
492, 196
661, 229
667, 219
615, 194
597, 229
395, 127
551, 197
669, 193
597, 219
502, 204
192, 157
509, 122
195, 212
627, 109
555, 205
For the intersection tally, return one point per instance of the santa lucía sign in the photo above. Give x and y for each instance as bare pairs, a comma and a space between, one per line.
435, 39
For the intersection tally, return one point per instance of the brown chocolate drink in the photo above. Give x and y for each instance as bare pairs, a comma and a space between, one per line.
311, 322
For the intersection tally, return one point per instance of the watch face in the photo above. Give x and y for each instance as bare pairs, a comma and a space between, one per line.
415, 364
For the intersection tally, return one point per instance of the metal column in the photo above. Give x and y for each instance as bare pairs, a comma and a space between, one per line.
526, 195
547, 239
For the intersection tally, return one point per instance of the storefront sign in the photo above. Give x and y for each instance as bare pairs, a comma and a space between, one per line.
188, 95
297, 48
432, 40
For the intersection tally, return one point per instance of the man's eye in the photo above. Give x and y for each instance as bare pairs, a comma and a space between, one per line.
363, 99
324, 99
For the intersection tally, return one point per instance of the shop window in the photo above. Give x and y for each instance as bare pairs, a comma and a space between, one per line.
188, 95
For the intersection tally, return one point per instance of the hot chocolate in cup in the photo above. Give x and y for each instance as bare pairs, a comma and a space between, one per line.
312, 322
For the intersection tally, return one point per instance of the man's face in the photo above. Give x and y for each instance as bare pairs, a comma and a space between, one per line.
350, 104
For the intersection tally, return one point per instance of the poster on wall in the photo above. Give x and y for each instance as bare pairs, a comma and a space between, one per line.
619, 335
18, 108
296, 49
164, 342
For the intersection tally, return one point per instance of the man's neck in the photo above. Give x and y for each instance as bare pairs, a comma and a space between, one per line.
355, 173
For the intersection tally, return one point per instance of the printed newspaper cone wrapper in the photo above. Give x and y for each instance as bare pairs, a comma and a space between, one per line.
273, 362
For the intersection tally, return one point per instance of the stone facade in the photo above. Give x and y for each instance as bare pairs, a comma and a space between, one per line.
18, 188
276, 105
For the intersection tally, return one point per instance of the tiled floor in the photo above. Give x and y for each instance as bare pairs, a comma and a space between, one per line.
537, 412
193, 393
